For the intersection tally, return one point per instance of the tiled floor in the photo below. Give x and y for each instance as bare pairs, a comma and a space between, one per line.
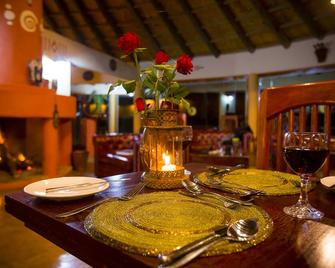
23, 248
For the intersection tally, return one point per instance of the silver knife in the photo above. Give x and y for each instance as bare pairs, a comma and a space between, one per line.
74, 186
183, 255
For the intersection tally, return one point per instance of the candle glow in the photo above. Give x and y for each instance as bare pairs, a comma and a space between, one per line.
167, 163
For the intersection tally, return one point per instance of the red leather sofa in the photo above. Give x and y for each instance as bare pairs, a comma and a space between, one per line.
114, 153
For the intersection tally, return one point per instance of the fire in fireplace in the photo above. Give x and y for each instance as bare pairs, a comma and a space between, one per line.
19, 151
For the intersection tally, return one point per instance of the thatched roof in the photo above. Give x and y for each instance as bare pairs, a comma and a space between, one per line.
196, 27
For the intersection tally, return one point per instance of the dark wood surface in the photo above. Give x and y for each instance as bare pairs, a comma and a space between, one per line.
293, 243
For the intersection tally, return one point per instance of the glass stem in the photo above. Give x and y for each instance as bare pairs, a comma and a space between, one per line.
303, 199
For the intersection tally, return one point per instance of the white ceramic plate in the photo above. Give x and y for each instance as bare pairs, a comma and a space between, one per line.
38, 188
328, 182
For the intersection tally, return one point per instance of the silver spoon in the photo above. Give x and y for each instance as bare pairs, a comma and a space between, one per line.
241, 230
198, 190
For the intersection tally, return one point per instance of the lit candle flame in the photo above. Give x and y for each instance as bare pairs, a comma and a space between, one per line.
166, 159
167, 163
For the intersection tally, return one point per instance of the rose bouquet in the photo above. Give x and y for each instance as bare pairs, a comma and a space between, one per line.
156, 81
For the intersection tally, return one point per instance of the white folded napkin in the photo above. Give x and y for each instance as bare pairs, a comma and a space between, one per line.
328, 181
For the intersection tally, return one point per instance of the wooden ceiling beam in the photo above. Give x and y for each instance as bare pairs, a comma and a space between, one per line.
200, 29
228, 13
72, 23
267, 18
48, 17
92, 25
103, 8
172, 28
307, 18
131, 7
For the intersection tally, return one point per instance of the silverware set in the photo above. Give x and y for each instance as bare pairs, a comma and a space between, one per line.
128, 196
77, 186
239, 231
198, 191
215, 180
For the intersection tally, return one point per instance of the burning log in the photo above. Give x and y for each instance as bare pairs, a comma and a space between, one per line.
6, 161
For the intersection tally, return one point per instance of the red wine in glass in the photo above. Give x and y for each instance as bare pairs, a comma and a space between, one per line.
186, 143
187, 136
305, 153
305, 160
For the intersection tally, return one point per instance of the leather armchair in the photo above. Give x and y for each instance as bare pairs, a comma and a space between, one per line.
114, 153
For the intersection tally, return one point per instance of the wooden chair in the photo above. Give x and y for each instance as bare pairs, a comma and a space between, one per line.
292, 108
229, 122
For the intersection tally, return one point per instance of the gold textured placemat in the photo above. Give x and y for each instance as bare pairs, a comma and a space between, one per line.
271, 182
162, 221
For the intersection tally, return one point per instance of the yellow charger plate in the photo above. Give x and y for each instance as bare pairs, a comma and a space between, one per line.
162, 221
270, 182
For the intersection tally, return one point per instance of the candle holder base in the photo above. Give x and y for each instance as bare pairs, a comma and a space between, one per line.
166, 179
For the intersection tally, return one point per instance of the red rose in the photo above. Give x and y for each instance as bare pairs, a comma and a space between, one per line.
128, 42
140, 104
184, 64
161, 57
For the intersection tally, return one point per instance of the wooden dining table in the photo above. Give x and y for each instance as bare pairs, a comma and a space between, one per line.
293, 242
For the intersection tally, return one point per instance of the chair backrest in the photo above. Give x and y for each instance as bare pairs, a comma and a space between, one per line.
229, 122
305, 107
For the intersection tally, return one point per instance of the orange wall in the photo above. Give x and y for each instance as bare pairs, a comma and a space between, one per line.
17, 45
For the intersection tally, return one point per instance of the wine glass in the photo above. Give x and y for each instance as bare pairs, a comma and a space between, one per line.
305, 153
187, 136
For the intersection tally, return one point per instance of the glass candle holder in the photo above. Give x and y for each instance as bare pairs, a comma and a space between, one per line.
162, 156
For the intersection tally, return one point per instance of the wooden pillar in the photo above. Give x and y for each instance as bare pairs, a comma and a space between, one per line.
113, 113
252, 102
65, 142
90, 126
20, 40
50, 148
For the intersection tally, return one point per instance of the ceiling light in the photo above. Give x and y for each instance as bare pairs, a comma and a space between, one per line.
332, 2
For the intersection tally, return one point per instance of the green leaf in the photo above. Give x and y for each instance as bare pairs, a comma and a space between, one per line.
192, 111
116, 84
111, 88
169, 76
161, 87
148, 84
162, 67
147, 71
129, 86
123, 57
140, 49
181, 92
185, 103
174, 86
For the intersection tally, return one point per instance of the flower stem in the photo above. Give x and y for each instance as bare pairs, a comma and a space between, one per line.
138, 69
156, 90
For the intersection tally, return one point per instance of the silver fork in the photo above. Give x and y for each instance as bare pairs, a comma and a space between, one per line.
218, 183
138, 188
